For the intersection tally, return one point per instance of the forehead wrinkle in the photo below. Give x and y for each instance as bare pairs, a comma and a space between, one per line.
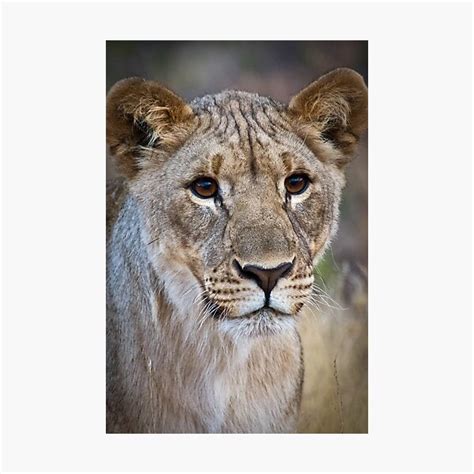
254, 139
256, 131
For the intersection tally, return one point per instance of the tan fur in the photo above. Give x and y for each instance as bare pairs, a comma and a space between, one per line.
333, 107
190, 345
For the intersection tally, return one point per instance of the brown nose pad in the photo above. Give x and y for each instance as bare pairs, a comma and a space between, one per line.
266, 278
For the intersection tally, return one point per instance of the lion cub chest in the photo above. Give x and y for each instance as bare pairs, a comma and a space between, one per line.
257, 392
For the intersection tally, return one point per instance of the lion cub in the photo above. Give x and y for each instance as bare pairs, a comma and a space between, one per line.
224, 207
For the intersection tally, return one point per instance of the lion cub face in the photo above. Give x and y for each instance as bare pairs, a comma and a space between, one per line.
239, 194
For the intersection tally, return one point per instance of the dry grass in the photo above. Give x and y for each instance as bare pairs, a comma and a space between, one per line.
335, 352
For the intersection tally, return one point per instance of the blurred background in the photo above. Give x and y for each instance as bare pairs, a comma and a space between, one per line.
334, 332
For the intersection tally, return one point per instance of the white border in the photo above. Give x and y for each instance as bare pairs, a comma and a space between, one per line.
53, 209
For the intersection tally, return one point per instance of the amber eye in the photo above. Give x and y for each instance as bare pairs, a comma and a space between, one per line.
204, 188
296, 183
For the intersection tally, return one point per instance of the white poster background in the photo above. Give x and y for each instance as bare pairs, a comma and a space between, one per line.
53, 202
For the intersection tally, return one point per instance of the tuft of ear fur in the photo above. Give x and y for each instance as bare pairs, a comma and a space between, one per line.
332, 110
143, 116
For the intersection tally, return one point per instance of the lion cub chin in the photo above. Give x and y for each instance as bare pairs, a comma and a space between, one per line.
223, 207
263, 322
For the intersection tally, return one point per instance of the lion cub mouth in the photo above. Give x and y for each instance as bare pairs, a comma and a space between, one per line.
266, 312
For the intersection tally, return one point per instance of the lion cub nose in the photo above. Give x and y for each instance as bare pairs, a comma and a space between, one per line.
266, 278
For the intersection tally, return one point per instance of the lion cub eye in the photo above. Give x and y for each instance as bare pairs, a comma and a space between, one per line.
296, 183
205, 188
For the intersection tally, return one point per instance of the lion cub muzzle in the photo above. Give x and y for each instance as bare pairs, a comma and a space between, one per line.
266, 278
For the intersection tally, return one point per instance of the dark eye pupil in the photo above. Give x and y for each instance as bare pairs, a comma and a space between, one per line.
204, 187
296, 183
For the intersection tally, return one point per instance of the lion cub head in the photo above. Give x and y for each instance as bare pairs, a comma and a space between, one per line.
238, 194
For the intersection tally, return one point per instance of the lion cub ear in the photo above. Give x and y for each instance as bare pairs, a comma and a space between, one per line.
332, 111
143, 116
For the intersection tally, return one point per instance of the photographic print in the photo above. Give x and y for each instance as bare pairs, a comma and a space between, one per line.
237, 237
271, 261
